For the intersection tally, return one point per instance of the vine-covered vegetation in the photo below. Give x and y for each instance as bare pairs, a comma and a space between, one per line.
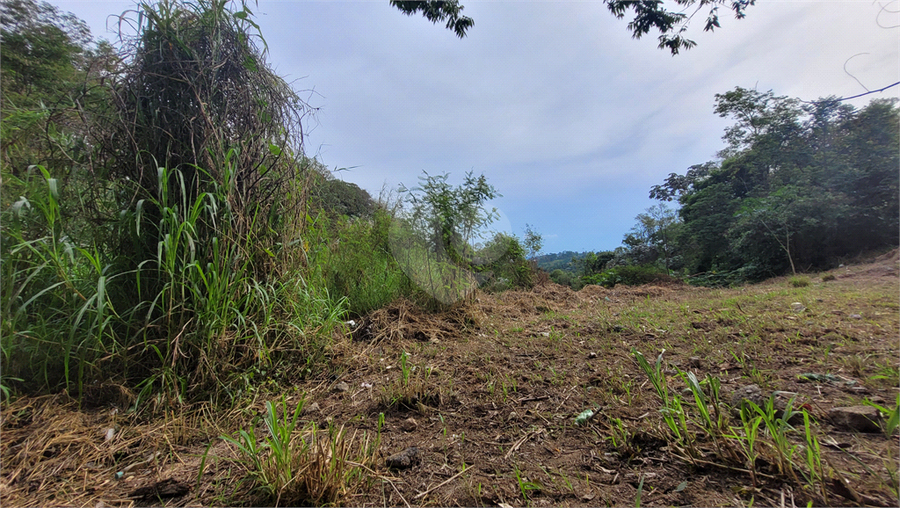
164, 230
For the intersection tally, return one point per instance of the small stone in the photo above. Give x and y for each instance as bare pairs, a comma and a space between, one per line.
858, 418
855, 316
592, 355
409, 425
341, 387
311, 408
752, 393
403, 460
695, 362
797, 307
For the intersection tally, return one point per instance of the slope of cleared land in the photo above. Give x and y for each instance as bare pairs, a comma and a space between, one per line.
488, 394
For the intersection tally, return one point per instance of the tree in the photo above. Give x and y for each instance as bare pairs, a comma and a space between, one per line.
451, 218
434, 239
438, 11
651, 238
648, 15
44, 62
533, 241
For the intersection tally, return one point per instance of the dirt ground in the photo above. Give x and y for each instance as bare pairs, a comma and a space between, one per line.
488, 393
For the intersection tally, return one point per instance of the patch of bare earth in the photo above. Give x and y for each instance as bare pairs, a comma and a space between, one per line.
494, 388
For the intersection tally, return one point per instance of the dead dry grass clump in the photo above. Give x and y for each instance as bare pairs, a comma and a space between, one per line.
557, 293
47, 438
403, 319
593, 292
520, 304
55, 453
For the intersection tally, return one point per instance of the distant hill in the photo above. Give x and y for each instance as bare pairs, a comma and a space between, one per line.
559, 260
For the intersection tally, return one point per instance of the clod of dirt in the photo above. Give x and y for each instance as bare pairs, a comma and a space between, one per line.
858, 418
341, 387
164, 489
403, 460
311, 408
695, 362
409, 425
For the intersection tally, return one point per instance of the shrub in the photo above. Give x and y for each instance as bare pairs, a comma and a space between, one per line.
507, 267
630, 275
352, 259
799, 282
561, 277
828, 277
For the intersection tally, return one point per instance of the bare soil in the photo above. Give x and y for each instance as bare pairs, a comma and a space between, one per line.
494, 387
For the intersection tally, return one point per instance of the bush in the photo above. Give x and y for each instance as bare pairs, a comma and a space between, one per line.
828, 277
630, 275
561, 277
799, 282
352, 259
508, 267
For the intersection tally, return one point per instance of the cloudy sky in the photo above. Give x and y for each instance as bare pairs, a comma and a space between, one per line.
566, 115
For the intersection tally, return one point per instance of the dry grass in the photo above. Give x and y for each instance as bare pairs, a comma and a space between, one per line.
513, 371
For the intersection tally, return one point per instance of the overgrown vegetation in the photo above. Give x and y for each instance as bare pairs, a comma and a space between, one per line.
166, 232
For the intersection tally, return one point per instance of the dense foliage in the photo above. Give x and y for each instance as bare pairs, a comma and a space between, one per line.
799, 186
163, 230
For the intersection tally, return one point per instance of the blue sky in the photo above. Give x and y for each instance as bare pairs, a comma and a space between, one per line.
568, 117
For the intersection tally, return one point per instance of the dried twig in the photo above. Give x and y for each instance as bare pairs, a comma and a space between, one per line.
519, 443
445, 482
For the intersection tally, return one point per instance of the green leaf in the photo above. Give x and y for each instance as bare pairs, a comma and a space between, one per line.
274, 149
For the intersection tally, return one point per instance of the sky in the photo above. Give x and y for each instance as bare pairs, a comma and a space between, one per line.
566, 115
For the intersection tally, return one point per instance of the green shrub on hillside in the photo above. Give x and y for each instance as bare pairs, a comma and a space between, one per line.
630, 275
508, 267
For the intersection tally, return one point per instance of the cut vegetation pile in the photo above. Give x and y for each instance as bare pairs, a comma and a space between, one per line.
487, 403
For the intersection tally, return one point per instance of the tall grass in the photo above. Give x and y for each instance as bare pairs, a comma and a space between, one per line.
57, 317
353, 260
190, 317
